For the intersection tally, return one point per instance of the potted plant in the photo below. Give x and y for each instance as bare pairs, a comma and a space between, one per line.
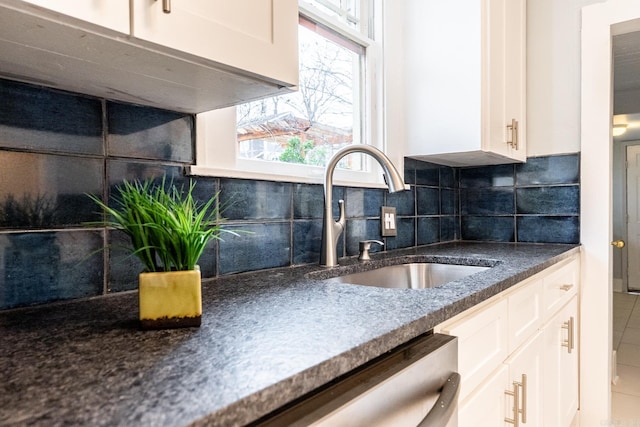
168, 230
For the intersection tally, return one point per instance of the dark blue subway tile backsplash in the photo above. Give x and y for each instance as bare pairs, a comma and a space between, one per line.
149, 133
536, 201
255, 247
36, 119
487, 176
308, 200
361, 229
406, 234
403, 201
487, 201
57, 147
306, 241
428, 230
245, 199
428, 200
489, 228
363, 202
561, 200
564, 169
40, 267
543, 229
427, 174
45, 191
449, 228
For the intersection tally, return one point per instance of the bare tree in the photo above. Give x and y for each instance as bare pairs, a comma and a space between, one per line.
326, 81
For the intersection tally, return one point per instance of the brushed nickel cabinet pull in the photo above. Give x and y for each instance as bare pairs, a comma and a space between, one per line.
513, 129
166, 6
566, 287
569, 342
517, 396
516, 404
523, 410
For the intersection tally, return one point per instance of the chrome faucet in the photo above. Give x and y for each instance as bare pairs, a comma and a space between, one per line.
332, 229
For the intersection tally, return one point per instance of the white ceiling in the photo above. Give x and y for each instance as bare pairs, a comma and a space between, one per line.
626, 84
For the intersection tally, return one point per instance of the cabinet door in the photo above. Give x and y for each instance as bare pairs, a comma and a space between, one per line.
486, 405
515, 83
470, 87
504, 84
258, 36
561, 366
525, 373
112, 14
482, 344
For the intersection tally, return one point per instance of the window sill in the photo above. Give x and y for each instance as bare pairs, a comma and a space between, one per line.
312, 178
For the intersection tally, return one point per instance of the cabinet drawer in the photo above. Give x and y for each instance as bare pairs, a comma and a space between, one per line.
482, 344
525, 313
559, 287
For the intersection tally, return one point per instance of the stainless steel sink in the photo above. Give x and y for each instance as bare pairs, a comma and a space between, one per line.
417, 275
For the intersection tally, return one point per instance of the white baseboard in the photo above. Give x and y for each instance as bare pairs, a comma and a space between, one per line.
617, 285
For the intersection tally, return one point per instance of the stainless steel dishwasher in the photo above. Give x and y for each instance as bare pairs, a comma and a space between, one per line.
414, 385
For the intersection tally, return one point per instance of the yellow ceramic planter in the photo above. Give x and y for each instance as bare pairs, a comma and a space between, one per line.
170, 300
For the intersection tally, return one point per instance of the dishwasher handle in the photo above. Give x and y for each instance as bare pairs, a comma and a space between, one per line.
441, 412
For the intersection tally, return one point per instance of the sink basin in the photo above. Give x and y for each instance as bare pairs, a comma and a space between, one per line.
418, 275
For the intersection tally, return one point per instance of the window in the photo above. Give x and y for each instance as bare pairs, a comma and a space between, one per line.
296, 134
324, 115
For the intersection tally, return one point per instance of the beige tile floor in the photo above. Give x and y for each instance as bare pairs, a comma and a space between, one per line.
625, 393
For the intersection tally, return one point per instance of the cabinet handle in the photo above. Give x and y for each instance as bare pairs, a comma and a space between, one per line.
516, 404
513, 129
566, 287
517, 410
569, 342
523, 411
166, 6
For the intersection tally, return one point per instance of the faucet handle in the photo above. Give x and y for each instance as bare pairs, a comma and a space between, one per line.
365, 245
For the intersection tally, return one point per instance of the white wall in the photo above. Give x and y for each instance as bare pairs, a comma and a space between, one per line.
553, 76
395, 135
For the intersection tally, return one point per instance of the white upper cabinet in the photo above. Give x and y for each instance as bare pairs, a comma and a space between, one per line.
197, 56
112, 14
252, 35
465, 81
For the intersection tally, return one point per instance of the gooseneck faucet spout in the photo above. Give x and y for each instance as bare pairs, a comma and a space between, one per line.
332, 229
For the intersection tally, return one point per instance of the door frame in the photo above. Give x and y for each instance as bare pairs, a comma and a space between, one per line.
599, 22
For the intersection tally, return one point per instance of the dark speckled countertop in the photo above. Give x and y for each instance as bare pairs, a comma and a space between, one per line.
266, 338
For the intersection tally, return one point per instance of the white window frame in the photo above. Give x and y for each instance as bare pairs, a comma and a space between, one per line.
217, 147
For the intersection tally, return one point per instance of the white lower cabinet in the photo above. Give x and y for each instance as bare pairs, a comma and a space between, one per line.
525, 393
518, 358
561, 366
486, 406
513, 391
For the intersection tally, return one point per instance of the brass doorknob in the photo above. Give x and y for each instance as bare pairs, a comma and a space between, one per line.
618, 244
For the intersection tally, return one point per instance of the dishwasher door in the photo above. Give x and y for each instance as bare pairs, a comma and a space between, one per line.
414, 385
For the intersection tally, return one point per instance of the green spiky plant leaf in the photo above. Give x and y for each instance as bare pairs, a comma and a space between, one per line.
168, 228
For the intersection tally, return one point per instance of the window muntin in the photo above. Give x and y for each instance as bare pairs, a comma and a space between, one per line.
346, 11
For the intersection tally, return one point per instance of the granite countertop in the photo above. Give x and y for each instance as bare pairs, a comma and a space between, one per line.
266, 338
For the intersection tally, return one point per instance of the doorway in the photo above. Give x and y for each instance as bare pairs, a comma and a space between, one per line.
626, 215
631, 218
600, 22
